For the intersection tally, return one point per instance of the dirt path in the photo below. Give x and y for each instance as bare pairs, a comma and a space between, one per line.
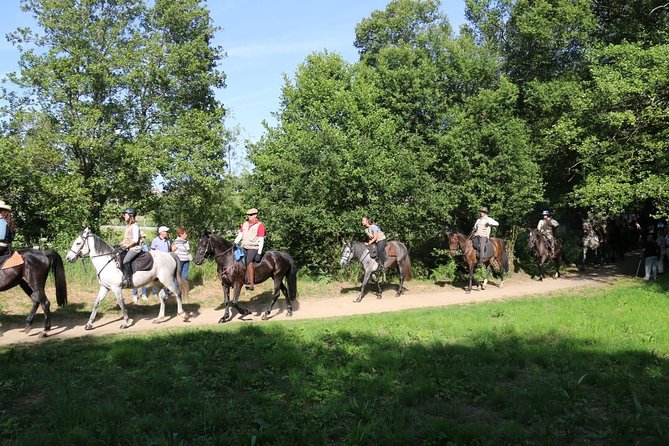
333, 305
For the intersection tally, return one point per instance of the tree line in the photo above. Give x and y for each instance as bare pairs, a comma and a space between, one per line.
531, 105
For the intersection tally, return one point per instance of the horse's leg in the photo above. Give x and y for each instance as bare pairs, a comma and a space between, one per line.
46, 307
400, 290
487, 274
289, 301
101, 295
275, 295
362, 288
235, 302
226, 304
29, 291
119, 299
379, 293
471, 276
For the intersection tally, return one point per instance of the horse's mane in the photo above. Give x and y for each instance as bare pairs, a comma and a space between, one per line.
220, 241
100, 245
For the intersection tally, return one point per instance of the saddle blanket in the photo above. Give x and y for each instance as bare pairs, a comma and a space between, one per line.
143, 262
11, 261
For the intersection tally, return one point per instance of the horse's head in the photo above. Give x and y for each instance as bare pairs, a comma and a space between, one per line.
346, 254
79, 246
453, 243
204, 248
587, 226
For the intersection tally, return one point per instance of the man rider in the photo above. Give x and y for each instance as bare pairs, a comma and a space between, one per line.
481, 232
252, 236
547, 226
130, 242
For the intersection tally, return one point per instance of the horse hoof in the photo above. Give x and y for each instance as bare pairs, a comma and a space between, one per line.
44, 334
264, 316
88, 327
358, 300
186, 316
223, 320
290, 314
378, 296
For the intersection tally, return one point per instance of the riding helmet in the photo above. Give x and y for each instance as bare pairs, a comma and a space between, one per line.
130, 211
546, 213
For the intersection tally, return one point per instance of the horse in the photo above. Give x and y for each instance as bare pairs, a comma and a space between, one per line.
397, 255
593, 241
274, 264
31, 276
462, 243
539, 246
165, 272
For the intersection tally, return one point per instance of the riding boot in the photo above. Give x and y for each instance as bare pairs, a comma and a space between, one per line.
250, 270
127, 276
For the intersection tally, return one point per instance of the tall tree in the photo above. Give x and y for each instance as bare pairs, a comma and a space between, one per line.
126, 89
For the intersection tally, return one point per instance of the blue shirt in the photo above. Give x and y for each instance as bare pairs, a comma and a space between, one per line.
3, 228
160, 244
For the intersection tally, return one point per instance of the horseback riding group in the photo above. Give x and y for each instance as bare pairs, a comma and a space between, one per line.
243, 262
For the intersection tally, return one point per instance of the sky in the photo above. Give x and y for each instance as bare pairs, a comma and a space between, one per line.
263, 39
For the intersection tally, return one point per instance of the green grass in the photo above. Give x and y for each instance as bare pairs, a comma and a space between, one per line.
589, 369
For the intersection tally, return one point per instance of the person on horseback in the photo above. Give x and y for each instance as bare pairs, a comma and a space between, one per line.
252, 236
481, 232
7, 230
547, 226
130, 244
377, 239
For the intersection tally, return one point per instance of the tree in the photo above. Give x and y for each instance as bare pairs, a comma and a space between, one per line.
116, 82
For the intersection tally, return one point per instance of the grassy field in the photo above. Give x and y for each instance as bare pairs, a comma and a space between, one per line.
588, 369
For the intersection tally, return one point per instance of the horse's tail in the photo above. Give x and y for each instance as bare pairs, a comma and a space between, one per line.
505, 258
59, 275
183, 283
405, 263
292, 279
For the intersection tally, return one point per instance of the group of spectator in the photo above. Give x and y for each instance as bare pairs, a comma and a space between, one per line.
162, 242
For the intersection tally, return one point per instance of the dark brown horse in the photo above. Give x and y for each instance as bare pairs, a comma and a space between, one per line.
540, 250
274, 264
461, 243
31, 276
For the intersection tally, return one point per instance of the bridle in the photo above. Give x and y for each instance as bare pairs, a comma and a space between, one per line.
346, 255
210, 252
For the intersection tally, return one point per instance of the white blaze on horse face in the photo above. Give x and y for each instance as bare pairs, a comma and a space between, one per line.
345, 256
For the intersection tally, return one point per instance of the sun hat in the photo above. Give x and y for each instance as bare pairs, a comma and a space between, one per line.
252, 211
483, 209
163, 229
3, 205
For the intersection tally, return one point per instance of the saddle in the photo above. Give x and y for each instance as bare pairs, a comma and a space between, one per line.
487, 250
11, 260
143, 262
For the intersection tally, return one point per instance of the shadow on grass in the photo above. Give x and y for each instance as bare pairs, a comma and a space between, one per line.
270, 384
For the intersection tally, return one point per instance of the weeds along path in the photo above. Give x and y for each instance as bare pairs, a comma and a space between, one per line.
334, 304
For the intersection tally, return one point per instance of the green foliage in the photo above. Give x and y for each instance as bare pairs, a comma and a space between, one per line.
114, 96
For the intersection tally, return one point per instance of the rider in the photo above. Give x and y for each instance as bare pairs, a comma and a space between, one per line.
252, 236
130, 243
481, 232
377, 238
7, 230
546, 227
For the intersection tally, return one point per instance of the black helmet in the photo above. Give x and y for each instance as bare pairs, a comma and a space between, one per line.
130, 211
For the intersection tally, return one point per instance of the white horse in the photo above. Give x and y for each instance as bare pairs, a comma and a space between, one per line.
591, 241
166, 268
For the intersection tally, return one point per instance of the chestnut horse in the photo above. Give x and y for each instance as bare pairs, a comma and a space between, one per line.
461, 243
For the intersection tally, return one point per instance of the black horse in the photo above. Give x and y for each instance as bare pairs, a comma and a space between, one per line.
31, 276
539, 246
274, 264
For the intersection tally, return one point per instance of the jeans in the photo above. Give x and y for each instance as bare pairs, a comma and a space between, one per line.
185, 266
651, 268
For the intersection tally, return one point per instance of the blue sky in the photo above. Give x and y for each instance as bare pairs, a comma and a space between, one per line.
263, 40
